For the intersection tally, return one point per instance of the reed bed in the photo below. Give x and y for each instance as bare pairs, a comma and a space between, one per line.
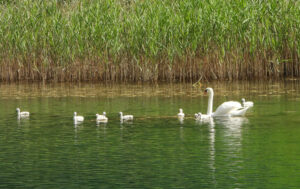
138, 40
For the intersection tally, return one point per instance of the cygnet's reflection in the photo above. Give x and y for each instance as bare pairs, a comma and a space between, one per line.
101, 128
205, 121
101, 123
22, 121
181, 120
77, 123
76, 129
128, 122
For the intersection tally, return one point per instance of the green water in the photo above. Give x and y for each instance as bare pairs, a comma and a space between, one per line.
156, 150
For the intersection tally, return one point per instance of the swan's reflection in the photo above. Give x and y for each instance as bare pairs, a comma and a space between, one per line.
233, 123
231, 128
212, 151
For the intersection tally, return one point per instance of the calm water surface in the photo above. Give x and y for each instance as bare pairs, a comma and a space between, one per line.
156, 150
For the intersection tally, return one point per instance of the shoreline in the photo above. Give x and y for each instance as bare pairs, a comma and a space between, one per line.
153, 73
153, 83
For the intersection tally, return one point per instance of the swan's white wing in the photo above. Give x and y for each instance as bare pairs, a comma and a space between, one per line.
248, 104
225, 108
242, 111
239, 112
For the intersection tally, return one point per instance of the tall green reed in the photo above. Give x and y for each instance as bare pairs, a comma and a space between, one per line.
149, 40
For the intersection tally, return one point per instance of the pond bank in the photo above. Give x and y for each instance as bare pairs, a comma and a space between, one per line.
204, 68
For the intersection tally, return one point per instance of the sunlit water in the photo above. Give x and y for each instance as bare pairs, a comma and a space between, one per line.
156, 150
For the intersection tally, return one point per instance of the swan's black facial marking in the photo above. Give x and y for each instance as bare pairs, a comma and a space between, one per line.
205, 91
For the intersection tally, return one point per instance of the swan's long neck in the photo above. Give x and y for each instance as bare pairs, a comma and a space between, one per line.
210, 103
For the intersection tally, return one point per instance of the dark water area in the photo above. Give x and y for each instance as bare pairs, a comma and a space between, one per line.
156, 150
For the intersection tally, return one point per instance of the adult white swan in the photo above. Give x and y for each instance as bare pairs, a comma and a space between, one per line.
230, 108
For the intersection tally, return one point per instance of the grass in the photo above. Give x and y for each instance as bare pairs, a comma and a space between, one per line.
168, 40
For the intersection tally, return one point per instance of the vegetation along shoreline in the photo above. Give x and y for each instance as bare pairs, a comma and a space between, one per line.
170, 40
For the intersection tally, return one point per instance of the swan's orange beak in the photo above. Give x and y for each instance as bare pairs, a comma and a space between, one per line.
205, 91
